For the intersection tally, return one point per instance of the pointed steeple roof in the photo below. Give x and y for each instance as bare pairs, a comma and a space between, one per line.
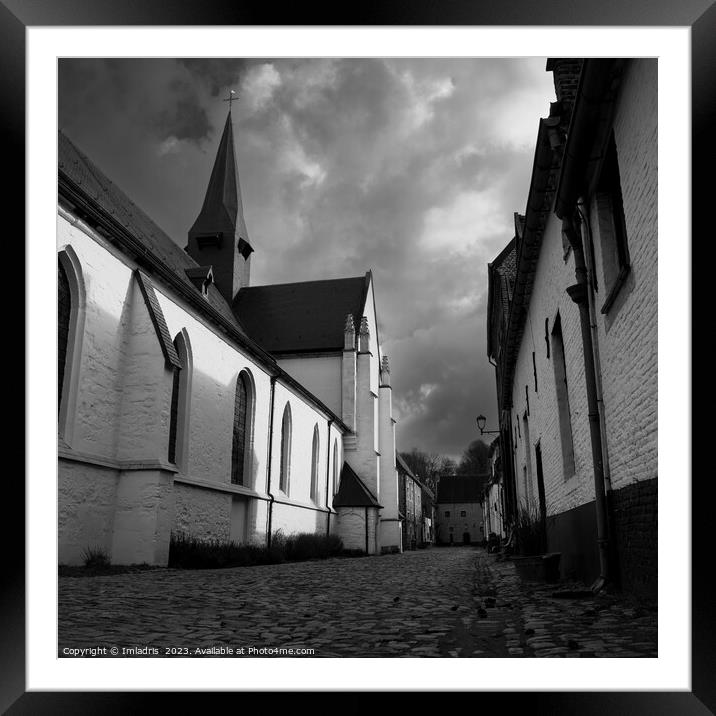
223, 209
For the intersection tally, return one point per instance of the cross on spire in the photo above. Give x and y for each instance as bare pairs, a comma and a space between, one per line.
231, 98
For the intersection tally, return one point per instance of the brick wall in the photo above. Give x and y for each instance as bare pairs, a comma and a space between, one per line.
627, 345
628, 336
633, 511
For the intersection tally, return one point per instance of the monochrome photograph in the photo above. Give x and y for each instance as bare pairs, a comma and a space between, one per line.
357, 357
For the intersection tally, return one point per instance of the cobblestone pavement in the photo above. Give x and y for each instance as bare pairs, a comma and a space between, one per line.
439, 602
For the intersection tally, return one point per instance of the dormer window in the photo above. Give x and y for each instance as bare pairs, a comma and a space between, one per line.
202, 277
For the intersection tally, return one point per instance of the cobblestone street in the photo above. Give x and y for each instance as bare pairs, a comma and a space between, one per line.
439, 602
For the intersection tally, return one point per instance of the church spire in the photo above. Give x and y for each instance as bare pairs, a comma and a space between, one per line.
218, 236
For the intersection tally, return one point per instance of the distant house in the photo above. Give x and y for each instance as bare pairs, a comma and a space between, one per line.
572, 327
458, 510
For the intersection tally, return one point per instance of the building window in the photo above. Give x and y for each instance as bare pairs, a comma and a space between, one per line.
70, 330
179, 407
314, 465
562, 390
173, 415
336, 474
463, 513
546, 334
64, 311
241, 438
285, 449
447, 514
612, 226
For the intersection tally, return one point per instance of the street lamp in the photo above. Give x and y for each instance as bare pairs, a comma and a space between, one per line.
481, 420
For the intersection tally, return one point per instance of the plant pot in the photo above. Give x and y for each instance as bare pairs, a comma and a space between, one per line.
538, 567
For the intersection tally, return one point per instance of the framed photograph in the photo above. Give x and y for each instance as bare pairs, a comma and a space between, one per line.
364, 329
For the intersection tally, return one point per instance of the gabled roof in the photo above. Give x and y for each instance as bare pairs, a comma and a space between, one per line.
402, 465
352, 492
459, 489
83, 175
500, 283
301, 317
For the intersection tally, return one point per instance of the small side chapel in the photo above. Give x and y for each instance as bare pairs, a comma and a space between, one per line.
190, 401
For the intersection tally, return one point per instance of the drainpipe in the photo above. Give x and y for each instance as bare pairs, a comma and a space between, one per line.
328, 477
579, 293
588, 254
366, 531
268, 462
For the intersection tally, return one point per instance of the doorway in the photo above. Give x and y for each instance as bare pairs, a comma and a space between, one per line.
541, 493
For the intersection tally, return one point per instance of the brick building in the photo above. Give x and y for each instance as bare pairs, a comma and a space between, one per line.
193, 402
572, 326
416, 504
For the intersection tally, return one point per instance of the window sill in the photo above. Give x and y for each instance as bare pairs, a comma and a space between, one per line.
614, 291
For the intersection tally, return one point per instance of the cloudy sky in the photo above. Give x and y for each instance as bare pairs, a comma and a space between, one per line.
409, 167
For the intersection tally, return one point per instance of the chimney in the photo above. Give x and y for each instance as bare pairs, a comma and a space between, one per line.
566, 72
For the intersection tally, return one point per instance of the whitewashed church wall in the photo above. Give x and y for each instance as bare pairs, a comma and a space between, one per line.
107, 282
370, 313
86, 502
201, 513
320, 374
303, 420
351, 526
291, 519
123, 403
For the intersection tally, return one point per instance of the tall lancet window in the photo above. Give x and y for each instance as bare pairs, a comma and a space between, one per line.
285, 449
64, 310
314, 465
179, 407
173, 416
240, 446
335, 467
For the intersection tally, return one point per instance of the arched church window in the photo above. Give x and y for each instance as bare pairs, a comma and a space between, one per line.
179, 406
70, 331
241, 441
336, 474
314, 465
285, 449
64, 310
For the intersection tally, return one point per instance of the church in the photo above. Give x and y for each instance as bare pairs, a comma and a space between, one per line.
191, 402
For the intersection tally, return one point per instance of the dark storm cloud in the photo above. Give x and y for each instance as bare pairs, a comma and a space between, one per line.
411, 168
216, 74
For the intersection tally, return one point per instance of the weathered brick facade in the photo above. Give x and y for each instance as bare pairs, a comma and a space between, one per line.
542, 382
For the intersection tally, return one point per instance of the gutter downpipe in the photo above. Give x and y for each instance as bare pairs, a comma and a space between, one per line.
268, 462
366, 532
328, 477
579, 293
588, 254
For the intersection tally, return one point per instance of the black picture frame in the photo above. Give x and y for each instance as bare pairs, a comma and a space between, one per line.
699, 15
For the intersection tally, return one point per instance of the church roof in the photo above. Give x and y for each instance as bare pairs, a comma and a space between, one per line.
86, 178
352, 492
301, 317
459, 489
